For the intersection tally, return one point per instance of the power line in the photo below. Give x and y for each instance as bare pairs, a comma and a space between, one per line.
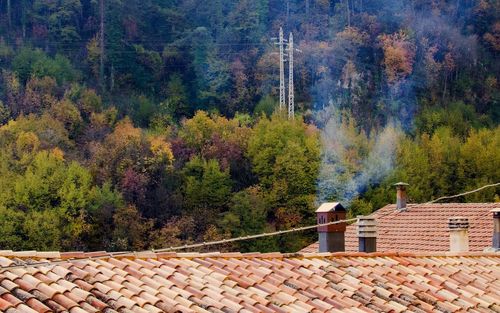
204, 244
279, 232
196, 245
464, 193
223, 241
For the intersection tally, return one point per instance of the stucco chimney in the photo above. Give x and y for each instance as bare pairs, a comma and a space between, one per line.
496, 229
331, 237
367, 234
459, 234
401, 197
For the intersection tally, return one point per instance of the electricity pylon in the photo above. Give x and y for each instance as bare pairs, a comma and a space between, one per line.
291, 97
282, 71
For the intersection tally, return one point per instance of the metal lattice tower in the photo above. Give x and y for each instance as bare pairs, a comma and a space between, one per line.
291, 98
282, 71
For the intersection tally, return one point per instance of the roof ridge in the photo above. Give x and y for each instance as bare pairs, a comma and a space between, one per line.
76, 256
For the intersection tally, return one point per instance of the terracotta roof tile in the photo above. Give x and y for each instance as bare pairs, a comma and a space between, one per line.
424, 227
347, 282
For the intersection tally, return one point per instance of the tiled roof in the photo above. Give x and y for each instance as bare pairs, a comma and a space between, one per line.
424, 227
169, 282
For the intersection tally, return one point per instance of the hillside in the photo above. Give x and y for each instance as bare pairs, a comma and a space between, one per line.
140, 124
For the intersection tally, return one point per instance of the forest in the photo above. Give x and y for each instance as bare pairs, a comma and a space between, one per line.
128, 125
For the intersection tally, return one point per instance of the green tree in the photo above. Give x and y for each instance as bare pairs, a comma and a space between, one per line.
4, 113
11, 224
43, 230
285, 157
247, 215
60, 19
266, 105
285, 150
207, 186
177, 96
34, 62
478, 164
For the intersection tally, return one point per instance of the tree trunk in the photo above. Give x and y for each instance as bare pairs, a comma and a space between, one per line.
348, 13
23, 17
9, 19
287, 11
112, 86
101, 71
444, 88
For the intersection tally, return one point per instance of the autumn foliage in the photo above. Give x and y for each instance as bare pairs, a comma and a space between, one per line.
399, 54
173, 135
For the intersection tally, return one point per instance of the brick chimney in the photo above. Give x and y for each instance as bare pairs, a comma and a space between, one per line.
496, 229
459, 234
367, 233
331, 237
401, 197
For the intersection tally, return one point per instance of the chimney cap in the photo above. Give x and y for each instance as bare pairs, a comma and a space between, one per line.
366, 227
330, 207
495, 210
458, 222
401, 184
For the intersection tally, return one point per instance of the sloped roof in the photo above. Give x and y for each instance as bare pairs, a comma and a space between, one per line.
330, 207
424, 227
234, 282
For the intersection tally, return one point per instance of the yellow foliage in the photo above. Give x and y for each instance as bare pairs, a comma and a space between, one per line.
161, 149
125, 132
354, 35
26, 142
58, 154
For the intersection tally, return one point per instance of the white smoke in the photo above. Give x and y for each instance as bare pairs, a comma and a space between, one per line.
351, 164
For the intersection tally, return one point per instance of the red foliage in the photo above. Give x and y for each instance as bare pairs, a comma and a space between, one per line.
225, 151
134, 186
182, 153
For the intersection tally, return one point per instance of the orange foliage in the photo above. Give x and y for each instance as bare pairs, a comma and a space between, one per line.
399, 55
493, 37
354, 35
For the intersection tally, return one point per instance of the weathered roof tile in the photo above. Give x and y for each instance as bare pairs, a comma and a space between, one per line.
424, 227
349, 282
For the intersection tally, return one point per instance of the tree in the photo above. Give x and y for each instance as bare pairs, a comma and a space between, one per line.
266, 105
177, 96
285, 158
60, 19
216, 137
11, 224
207, 190
4, 113
131, 229
50, 132
206, 185
478, 164
399, 54
34, 62
69, 115
134, 162
56, 197
493, 37
274, 141
247, 215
